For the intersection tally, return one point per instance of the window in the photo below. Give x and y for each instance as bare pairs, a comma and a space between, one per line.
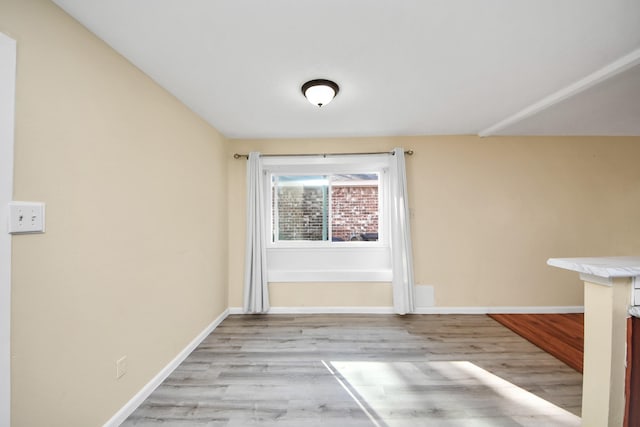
325, 208
327, 218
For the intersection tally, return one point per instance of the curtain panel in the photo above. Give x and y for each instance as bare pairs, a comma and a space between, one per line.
401, 252
256, 291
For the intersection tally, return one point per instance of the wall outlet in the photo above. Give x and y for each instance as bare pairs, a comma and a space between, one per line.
121, 367
26, 217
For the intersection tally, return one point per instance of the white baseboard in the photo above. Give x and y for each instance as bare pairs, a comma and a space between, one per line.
501, 310
322, 310
421, 310
139, 397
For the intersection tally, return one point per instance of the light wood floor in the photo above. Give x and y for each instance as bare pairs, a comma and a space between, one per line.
365, 370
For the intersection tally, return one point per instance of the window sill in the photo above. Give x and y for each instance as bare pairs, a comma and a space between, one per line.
330, 276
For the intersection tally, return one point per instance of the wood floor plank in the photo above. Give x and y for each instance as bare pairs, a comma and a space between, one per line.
561, 335
365, 370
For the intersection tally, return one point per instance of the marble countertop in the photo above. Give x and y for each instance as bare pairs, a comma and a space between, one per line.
607, 267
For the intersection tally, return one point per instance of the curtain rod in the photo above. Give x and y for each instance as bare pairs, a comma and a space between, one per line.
246, 156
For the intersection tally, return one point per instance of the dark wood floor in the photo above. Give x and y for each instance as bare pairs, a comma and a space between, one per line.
561, 335
365, 370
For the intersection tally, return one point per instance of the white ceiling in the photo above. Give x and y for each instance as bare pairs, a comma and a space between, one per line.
405, 67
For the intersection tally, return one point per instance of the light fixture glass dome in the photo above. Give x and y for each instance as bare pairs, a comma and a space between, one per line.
320, 91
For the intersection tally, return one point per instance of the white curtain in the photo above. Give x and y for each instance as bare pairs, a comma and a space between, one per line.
401, 253
256, 292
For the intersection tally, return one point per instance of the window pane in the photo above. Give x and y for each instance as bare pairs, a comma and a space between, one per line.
300, 207
354, 207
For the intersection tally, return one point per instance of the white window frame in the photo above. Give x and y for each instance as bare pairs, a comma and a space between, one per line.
328, 261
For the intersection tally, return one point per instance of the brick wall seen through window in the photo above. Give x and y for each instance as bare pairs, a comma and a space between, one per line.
305, 211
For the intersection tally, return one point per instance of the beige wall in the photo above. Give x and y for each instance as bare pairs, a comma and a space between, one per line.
487, 214
134, 258
374, 294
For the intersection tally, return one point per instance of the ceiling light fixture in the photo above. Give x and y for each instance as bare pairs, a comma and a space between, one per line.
320, 91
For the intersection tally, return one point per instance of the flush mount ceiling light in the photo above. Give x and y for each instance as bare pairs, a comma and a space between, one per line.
320, 91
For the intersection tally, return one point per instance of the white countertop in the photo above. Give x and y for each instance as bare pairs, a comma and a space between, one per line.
607, 267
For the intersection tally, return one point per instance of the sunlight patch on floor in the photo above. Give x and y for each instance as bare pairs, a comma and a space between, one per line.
453, 392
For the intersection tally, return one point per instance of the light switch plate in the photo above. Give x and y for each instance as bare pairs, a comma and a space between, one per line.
26, 217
